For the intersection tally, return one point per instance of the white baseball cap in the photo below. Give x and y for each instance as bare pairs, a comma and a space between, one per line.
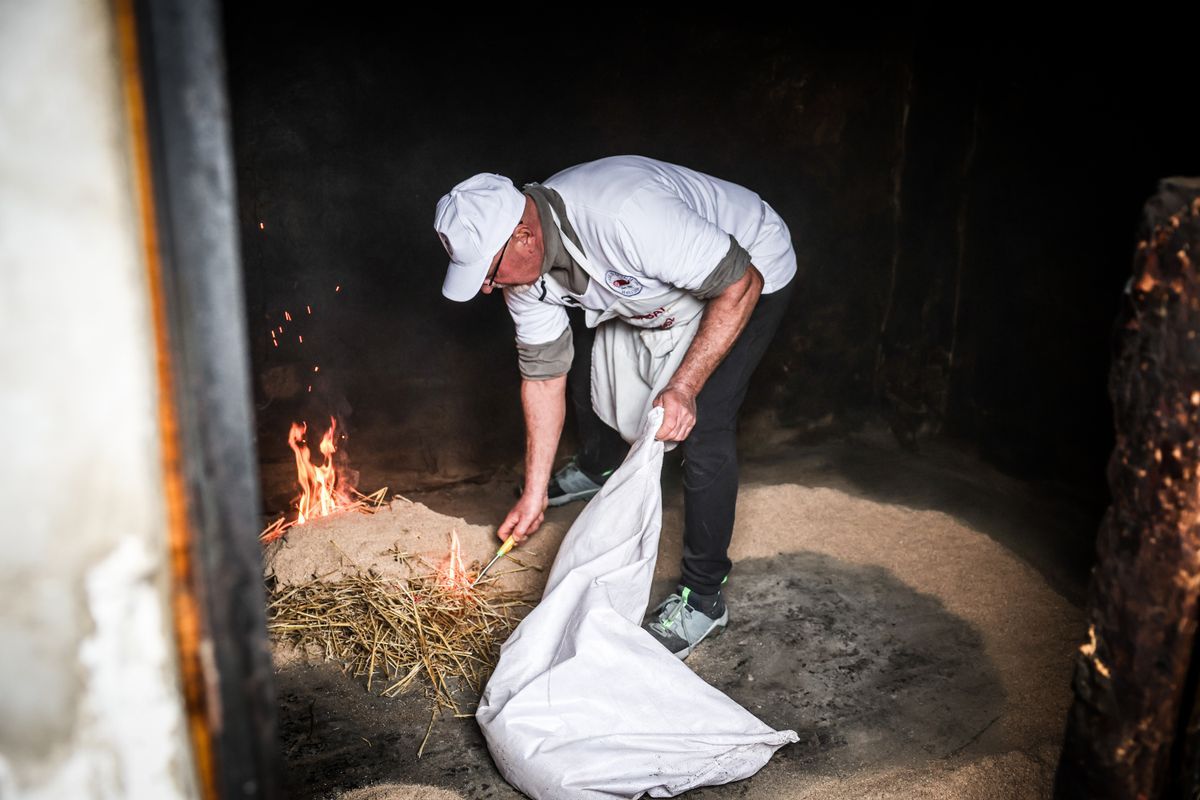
474, 221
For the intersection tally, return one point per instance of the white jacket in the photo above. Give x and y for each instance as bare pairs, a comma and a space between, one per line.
652, 232
652, 235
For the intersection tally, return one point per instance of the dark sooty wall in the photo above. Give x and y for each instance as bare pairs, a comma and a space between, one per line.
964, 220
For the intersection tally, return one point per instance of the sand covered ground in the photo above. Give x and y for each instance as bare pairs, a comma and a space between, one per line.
912, 616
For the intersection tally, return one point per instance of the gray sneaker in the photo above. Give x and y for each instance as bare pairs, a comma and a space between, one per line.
572, 483
679, 627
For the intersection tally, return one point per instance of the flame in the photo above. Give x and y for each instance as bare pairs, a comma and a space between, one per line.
319, 491
323, 490
453, 573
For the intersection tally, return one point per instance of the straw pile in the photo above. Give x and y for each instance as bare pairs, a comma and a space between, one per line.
424, 630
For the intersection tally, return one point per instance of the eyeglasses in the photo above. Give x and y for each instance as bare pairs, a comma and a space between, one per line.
490, 280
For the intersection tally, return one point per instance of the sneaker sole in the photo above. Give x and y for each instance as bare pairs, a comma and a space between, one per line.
571, 497
718, 627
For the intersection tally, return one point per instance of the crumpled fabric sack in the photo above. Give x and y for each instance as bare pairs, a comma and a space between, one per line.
584, 703
631, 365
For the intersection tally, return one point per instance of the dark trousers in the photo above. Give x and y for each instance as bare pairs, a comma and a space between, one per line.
710, 466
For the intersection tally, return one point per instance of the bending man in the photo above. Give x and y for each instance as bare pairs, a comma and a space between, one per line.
682, 280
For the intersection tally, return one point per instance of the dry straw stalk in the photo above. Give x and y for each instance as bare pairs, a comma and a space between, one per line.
396, 631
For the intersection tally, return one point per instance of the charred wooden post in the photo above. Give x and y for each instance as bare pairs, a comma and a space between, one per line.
1135, 677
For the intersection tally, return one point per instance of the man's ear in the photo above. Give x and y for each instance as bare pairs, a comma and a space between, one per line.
525, 227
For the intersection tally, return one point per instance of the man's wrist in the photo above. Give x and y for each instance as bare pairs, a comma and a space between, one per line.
683, 385
535, 487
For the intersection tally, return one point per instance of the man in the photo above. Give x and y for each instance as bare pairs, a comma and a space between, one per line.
683, 279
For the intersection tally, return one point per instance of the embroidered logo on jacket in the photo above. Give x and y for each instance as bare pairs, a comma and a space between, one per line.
622, 284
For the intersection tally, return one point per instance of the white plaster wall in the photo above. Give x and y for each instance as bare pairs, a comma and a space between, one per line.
89, 699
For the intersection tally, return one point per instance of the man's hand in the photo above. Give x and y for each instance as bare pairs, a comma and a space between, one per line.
544, 403
679, 413
525, 518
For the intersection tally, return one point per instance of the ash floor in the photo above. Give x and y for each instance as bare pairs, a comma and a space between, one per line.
912, 616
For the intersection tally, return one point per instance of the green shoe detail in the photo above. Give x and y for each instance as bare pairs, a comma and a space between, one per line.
679, 627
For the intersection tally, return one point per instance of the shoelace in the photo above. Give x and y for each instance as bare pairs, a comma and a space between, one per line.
672, 615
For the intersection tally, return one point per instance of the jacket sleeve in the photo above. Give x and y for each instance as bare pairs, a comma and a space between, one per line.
544, 347
539, 362
729, 270
675, 244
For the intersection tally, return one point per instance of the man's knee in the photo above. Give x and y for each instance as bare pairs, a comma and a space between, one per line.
707, 455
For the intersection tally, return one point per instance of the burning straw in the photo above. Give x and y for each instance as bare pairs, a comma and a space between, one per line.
361, 503
431, 628
323, 489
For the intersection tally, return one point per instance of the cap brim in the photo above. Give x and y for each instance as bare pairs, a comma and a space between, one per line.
463, 280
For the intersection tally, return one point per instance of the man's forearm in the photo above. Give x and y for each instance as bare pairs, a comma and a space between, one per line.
545, 406
724, 319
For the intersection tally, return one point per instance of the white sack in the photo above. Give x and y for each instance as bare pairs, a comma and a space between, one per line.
630, 366
584, 703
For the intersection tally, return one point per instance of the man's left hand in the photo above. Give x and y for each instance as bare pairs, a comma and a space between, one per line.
679, 413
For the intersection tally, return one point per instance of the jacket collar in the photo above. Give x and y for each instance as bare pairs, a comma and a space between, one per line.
557, 261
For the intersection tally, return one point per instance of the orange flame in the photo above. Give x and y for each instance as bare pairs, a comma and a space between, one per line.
319, 491
453, 573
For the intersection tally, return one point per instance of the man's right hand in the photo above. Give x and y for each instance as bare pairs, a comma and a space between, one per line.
525, 518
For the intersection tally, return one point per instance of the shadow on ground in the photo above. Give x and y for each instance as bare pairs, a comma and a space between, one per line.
867, 671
